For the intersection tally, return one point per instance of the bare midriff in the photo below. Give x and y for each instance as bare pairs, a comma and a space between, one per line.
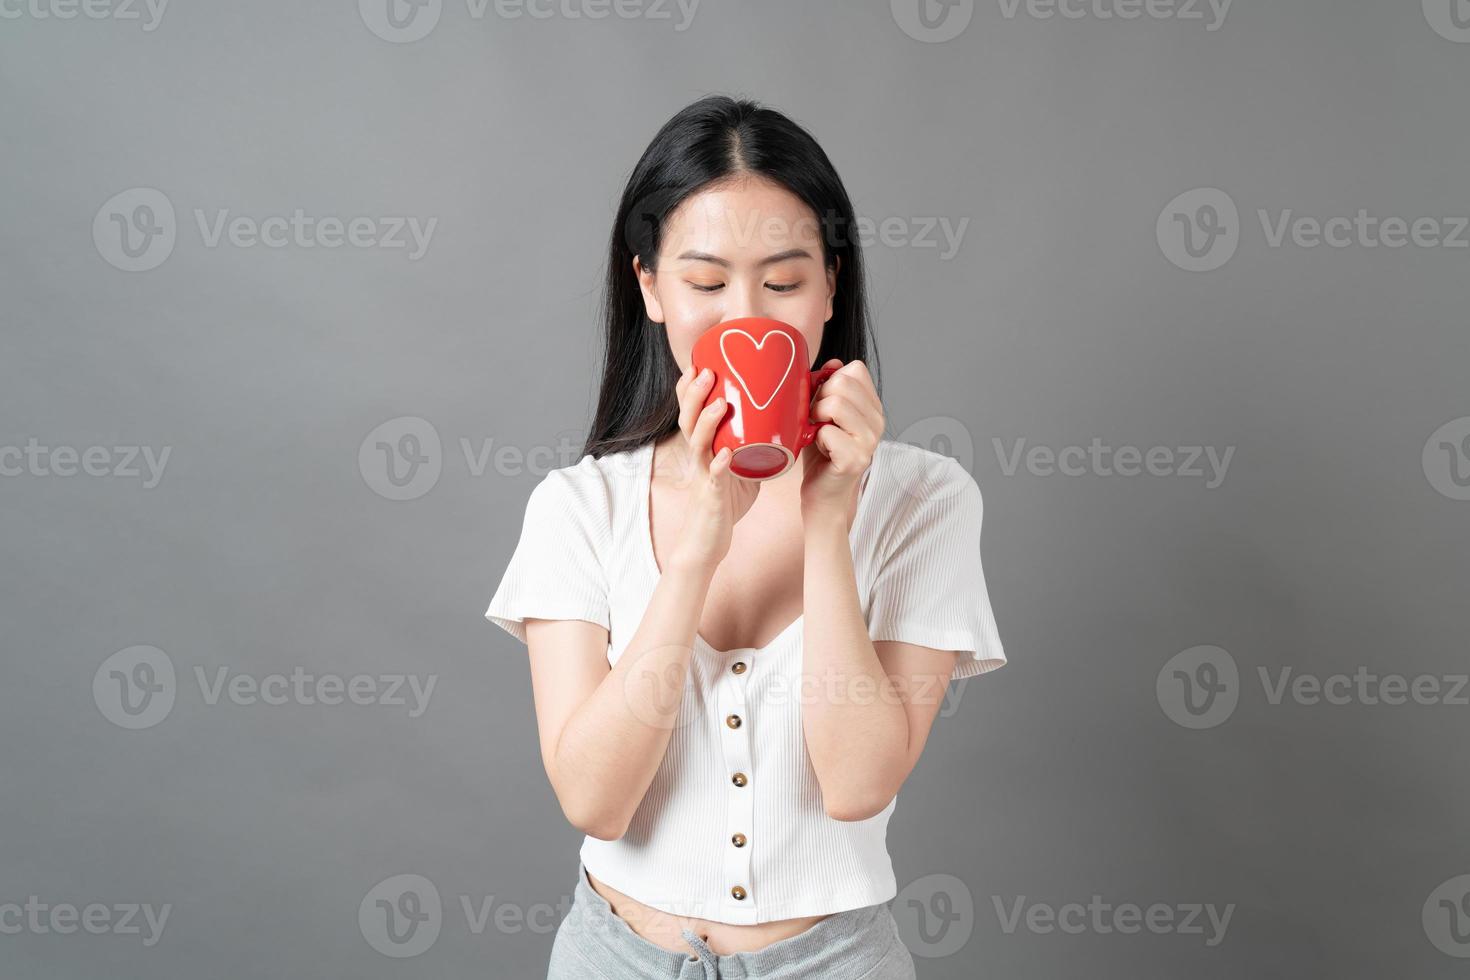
665, 929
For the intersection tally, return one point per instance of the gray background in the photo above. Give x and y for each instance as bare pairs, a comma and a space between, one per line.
268, 546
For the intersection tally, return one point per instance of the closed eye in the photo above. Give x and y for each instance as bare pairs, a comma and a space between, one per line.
775, 287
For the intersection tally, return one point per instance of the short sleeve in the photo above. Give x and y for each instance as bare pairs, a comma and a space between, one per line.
930, 588
557, 569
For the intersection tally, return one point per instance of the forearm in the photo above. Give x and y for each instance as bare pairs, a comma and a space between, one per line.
612, 745
853, 719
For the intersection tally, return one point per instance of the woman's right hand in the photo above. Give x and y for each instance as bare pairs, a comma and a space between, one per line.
716, 498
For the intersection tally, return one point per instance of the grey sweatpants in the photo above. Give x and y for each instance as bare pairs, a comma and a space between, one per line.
595, 943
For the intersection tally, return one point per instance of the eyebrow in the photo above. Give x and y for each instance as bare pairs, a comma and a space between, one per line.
790, 253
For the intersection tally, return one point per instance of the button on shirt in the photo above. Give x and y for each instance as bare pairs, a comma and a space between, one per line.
732, 828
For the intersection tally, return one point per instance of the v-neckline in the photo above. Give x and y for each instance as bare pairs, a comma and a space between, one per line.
645, 522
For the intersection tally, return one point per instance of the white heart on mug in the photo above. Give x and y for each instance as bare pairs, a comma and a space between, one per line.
764, 377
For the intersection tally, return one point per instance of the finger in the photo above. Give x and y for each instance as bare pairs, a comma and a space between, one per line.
843, 451
691, 401
719, 466
832, 362
853, 381
681, 387
857, 389
841, 411
681, 395
701, 440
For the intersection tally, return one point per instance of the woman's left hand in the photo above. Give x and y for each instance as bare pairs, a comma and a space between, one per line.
842, 451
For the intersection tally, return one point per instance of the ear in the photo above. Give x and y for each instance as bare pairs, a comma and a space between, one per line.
832, 283
651, 305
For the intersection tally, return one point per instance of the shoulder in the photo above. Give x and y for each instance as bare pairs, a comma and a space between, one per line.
919, 483
585, 490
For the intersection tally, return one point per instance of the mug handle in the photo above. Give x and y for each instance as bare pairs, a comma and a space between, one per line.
809, 431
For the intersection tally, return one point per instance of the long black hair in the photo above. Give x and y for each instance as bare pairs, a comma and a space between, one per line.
714, 138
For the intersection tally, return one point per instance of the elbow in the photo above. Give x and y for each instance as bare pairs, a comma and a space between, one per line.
862, 794
592, 814
596, 821
856, 807
602, 830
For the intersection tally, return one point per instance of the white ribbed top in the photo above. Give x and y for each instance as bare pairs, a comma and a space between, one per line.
585, 552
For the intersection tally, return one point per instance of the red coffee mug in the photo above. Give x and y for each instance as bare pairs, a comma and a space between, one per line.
762, 369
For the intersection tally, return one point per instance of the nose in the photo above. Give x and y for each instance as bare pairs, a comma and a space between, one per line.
744, 302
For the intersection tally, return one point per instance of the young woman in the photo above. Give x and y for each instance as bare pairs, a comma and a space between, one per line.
732, 679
